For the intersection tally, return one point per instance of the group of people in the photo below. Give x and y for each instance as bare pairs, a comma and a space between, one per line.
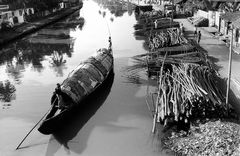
197, 35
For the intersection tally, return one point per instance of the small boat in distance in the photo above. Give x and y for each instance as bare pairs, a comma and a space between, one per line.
80, 83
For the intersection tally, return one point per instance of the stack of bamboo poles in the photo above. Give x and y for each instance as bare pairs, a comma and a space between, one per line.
188, 91
153, 61
143, 28
167, 38
157, 58
149, 14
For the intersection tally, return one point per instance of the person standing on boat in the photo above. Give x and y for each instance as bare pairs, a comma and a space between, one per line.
61, 104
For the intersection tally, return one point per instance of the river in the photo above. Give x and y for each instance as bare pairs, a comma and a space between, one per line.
114, 122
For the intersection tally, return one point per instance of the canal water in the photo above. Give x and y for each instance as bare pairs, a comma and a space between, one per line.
114, 121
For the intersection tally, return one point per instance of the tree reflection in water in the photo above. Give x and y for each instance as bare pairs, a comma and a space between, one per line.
14, 69
58, 63
111, 19
116, 7
53, 42
57, 59
104, 14
7, 93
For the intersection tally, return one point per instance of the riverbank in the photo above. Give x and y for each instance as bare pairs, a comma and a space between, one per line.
218, 53
179, 111
216, 136
31, 27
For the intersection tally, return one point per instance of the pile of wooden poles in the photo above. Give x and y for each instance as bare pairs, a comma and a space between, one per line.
169, 37
152, 21
188, 91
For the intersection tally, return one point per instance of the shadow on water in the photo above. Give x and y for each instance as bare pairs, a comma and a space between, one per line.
78, 118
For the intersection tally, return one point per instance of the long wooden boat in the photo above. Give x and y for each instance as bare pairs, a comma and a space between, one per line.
81, 82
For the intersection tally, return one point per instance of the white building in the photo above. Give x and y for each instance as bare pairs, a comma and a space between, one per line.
14, 16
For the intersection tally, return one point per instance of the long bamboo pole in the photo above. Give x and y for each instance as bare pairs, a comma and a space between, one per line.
35, 125
229, 70
157, 101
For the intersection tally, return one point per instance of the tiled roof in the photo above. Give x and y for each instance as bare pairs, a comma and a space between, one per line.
231, 16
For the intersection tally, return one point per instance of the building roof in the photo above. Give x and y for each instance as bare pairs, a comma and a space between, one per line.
231, 16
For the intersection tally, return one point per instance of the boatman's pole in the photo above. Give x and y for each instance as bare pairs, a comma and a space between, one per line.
36, 125
229, 69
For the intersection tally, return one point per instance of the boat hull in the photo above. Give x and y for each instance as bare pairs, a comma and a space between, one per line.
72, 87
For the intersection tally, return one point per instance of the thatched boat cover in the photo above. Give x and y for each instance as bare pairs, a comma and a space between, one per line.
88, 75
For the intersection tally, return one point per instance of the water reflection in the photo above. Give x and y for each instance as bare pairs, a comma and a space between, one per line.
14, 69
111, 19
74, 22
116, 7
122, 122
58, 62
50, 43
7, 93
78, 118
57, 59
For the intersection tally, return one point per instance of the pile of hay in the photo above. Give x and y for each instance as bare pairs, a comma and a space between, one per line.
218, 138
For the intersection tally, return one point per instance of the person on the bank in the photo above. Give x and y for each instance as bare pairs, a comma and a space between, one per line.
155, 24
199, 36
195, 32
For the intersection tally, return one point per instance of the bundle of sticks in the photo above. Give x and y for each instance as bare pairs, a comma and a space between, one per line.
167, 38
186, 92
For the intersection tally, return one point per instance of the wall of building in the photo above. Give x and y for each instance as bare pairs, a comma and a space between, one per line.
19, 14
217, 18
202, 13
